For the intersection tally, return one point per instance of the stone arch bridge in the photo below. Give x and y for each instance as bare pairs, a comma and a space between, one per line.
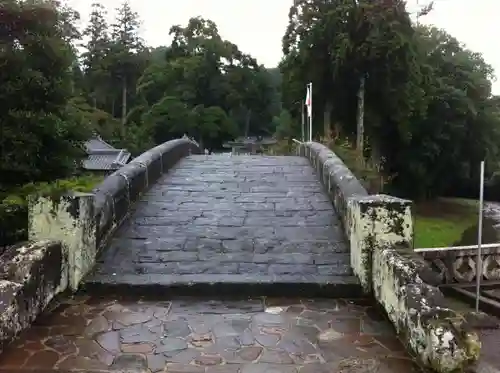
176, 222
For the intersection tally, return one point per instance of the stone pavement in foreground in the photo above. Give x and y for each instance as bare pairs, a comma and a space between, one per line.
190, 335
231, 220
489, 361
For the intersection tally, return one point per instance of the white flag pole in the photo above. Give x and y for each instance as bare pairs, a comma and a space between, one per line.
310, 111
479, 261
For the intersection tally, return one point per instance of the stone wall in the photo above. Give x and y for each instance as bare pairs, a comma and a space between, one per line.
30, 276
66, 232
380, 233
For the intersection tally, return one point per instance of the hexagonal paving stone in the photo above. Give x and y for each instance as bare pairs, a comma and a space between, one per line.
200, 336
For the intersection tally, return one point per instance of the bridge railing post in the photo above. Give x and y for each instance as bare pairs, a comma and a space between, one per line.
70, 220
376, 222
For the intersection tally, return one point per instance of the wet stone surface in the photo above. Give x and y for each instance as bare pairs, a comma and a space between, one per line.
230, 219
190, 336
489, 361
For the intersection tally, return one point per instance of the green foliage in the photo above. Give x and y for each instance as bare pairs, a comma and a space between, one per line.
13, 222
429, 114
285, 128
441, 223
38, 139
134, 97
369, 175
84, 184
206, 88
459, 126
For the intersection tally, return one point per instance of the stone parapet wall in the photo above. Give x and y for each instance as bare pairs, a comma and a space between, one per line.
68, 219
31, 275
438, 336
115, 195
66, 232
380, 233
339, 181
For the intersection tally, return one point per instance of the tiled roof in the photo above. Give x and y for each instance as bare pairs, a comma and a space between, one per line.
103, 157
98, 144
106, 160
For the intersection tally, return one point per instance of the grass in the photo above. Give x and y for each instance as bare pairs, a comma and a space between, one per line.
442, 222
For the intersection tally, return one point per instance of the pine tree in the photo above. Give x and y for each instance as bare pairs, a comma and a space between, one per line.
127, 47
95, 57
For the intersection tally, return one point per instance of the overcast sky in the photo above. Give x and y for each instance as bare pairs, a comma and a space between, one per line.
257, 26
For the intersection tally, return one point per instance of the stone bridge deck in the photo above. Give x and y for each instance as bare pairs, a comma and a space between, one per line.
217, 223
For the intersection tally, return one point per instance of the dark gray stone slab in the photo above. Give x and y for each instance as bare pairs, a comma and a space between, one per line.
228, 222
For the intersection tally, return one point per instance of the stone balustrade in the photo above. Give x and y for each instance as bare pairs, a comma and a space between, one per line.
460, 266
380, 232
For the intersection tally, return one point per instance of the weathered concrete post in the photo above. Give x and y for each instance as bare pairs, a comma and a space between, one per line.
375, 222
70, 220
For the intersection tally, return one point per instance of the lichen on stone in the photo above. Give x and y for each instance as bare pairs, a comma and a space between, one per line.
437, 335
380, 233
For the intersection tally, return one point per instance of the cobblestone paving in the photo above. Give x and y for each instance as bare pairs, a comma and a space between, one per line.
231, 219
201, 336
489, 361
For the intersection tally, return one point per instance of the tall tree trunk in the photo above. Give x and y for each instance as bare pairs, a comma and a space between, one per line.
247, 122
124, 106
327, 117
360, 126
303, 122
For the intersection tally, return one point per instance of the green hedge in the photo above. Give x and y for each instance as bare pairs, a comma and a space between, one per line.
14, 206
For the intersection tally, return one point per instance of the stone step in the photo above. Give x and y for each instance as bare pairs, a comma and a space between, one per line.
224, 285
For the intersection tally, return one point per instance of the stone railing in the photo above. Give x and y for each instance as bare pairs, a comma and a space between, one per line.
380, 233
459, 266
66, 233
113, 197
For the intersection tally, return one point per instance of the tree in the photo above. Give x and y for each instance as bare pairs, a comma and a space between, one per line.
216, 90
428, 113
126, 58
338, 44
460, 124
37, 140
97, 76
284, 126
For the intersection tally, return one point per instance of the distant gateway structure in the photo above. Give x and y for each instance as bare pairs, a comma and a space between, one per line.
249, 145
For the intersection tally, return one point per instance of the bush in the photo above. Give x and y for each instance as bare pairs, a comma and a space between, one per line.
14, 207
